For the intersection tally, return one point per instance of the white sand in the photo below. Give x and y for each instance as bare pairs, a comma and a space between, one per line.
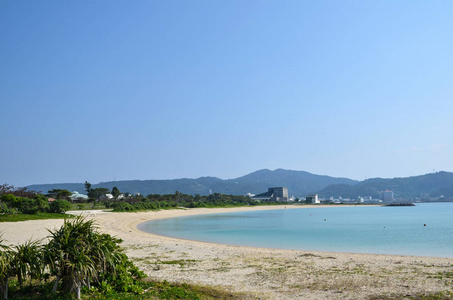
258, 272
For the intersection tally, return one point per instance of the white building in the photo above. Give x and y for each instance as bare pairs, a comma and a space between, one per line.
314, 199
77, 197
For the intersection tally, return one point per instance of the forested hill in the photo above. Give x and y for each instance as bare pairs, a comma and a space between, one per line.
299, 183
436, 184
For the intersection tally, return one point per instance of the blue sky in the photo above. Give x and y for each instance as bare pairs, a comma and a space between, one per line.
115, 90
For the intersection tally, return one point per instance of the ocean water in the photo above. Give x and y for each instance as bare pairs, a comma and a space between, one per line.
358, 229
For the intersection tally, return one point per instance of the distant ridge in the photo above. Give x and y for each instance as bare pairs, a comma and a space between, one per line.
436, 184
298, 183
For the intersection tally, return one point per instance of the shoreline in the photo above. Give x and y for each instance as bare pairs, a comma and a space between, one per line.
264, 273
203, 211
194, 212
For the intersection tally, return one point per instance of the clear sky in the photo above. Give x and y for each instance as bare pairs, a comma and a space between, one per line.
116, 90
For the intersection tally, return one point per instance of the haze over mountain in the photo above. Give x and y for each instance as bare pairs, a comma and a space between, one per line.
298, 183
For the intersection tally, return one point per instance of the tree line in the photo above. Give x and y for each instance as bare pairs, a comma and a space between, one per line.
128, 202
23, 201
168, 201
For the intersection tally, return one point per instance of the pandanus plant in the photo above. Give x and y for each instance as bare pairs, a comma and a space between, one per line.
69, 254
77, 254
5, 268
27, 261
23, 261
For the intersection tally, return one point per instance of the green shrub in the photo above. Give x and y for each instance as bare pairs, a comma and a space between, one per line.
60, 206
122, 206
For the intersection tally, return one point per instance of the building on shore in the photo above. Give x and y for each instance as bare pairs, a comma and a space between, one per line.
279, 194
425, 196
387, 196
313, 198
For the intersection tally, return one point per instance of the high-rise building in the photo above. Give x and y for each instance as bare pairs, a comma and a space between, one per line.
387, 196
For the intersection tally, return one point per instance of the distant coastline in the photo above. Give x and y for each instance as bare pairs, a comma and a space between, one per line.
432, 187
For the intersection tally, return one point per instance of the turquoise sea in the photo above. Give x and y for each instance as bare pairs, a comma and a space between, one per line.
358, 229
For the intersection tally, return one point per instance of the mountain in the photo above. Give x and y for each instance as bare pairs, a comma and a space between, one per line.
436, 184
299, 183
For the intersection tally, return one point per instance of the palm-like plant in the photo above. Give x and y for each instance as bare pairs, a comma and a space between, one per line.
27, 260
80, 267
77, 254
5, 268
67, 253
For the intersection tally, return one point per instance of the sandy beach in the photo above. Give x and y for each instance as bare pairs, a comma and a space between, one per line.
257, 272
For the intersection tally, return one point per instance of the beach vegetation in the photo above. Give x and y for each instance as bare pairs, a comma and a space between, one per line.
445, 295
6, 189
59, 194
59, 206
98, 193
28, 217
149, 289
87, 205
12, 204
181, 262
27, 261
166, 290
77, 257
21, 204
5, 269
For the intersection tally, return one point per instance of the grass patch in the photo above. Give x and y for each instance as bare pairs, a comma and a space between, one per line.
88, 206
26, 217
165, 290
446, 277
151, 290
181, 262
446, 295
